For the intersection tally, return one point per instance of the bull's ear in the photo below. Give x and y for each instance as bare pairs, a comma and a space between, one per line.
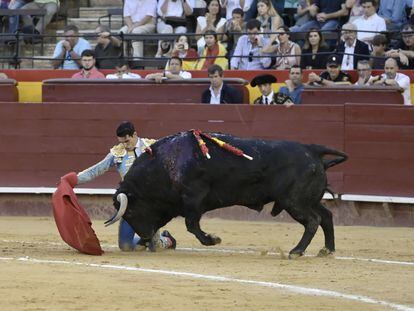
130, 196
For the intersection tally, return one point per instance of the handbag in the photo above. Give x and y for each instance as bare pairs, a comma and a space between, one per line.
175, 21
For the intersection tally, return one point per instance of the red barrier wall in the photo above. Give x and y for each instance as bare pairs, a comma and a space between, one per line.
40, 143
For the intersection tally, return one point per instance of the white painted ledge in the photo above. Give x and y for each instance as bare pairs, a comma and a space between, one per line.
376, 198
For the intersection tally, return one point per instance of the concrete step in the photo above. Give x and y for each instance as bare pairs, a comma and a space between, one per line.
38, 64
94, 12
112, 3
90, 23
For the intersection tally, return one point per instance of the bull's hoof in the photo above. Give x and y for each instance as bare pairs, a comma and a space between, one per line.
325, 252
295, 255
214, 239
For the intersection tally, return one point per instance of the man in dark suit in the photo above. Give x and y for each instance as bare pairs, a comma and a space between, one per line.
219, 92
351, 45
269, 97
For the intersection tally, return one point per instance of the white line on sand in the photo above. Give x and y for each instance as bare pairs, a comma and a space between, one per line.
217, 278
236, 251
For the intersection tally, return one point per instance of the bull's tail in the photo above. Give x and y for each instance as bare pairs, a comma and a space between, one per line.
322, 151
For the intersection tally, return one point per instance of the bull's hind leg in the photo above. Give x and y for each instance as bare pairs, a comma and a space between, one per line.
328, 230
310, 220
192, 221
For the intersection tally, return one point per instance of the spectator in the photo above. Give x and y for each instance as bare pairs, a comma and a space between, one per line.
219, 92
379, 45
312, 57
251, 7
333, 74
139, 18
213, 53
393, 12
393, 78
107, 49
231, 5
302, 13
183, 50
89, 70
325, 15
364, 73
67, 52
269, 97
165, 49
14, 20
294, 86
269, 18
123, 71
4, 5
212, 20
176, 72
233, 30
248, 53
405, 49
355, 9
51, 7
350, 46
171, 15
370, 21
287, 52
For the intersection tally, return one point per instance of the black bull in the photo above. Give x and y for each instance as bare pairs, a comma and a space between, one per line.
178, 180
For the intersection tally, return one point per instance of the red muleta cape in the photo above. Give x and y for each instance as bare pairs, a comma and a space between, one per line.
74, 224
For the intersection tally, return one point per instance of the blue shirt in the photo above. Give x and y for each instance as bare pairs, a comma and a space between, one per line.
394, 10
296, 95
246, 49
69, 63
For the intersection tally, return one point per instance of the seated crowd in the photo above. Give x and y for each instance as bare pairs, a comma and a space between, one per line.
251, 35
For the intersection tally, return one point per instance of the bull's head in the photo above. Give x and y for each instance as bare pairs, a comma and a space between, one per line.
132, 211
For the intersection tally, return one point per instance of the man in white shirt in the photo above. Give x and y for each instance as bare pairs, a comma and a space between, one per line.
123, 72
175, 72
139, 18
248, 52
173, 8
370, 21
393, 78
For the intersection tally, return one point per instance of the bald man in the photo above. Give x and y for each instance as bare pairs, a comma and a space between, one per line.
349, 46
393, 78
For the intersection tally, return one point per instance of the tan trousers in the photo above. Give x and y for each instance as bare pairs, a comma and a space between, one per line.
138, 46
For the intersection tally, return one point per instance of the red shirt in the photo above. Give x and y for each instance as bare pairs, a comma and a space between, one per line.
91, 74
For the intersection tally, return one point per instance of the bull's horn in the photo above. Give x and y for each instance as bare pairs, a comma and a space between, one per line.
123, 200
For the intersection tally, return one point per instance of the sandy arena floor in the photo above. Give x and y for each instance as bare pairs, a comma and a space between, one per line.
39, 272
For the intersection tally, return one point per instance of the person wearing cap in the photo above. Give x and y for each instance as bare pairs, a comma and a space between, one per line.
269, 97
332, 75
121, 156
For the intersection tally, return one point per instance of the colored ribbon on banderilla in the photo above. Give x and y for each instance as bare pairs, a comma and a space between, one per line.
197, 134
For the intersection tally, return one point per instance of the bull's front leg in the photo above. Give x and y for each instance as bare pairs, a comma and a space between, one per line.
192, 221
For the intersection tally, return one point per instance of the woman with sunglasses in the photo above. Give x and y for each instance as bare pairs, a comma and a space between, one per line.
287, 52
